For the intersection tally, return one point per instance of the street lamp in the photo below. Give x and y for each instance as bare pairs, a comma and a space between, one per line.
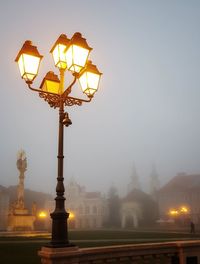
69, 55
42, 215
184, 210
173, 212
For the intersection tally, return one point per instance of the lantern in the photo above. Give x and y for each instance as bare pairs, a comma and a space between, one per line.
50, 83
58, 51
89, 79
28, 60
77, 53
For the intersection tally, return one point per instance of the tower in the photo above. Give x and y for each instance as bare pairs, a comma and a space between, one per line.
134, 183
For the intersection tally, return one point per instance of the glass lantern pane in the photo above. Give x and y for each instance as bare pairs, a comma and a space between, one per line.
69, 57
89, 82
76, 58
52, 87
28, 66
83, 81
21, 65
59, 56
80, 55
93, 80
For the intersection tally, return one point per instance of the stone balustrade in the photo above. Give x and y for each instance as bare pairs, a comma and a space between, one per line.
179, 252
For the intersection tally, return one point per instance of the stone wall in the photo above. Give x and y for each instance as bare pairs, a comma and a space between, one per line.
180, 252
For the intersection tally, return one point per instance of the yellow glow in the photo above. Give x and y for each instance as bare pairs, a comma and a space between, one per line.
184, 209
59, 56
89, 82
42, 214
51, 86
71, 215
28, 66
173, 212
76, 58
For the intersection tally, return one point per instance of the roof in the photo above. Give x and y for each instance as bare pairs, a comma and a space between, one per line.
182, 182
136, 195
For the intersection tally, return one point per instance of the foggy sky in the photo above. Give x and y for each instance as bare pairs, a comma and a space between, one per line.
146, 110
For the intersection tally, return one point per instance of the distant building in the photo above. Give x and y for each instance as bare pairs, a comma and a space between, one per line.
4, 208
181, 191
138, 209
87, 209
135, 180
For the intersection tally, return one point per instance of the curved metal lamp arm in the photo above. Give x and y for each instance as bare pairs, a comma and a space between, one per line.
69, 88
82, 100
52, 98
39, 90
55, 99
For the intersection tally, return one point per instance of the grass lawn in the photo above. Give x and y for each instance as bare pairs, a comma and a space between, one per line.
19, 253
23, 250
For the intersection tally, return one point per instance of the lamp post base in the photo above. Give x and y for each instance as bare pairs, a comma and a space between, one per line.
61, 245
59, 230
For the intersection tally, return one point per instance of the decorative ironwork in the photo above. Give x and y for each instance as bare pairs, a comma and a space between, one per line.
70, 101
52, 99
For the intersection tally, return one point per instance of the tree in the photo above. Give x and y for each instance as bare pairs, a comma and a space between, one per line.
113, 208
154, 182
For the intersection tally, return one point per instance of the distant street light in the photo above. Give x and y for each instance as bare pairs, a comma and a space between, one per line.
69, 55
42, 215
173, 212
184, 210
71, 215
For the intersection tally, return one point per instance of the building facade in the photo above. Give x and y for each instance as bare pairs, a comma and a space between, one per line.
87, 209
183, 191
138, 209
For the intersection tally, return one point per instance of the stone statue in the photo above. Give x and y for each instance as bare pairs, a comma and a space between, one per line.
22, 166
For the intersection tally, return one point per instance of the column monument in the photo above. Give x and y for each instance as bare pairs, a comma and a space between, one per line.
19, 218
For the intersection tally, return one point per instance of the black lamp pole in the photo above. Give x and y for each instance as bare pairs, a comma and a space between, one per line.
60, 216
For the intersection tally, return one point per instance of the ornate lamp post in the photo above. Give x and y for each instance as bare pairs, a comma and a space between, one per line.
69, 55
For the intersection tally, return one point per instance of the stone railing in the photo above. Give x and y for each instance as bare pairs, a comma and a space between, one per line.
179, 252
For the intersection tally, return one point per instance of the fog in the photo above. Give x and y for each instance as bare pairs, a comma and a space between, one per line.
146, 110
